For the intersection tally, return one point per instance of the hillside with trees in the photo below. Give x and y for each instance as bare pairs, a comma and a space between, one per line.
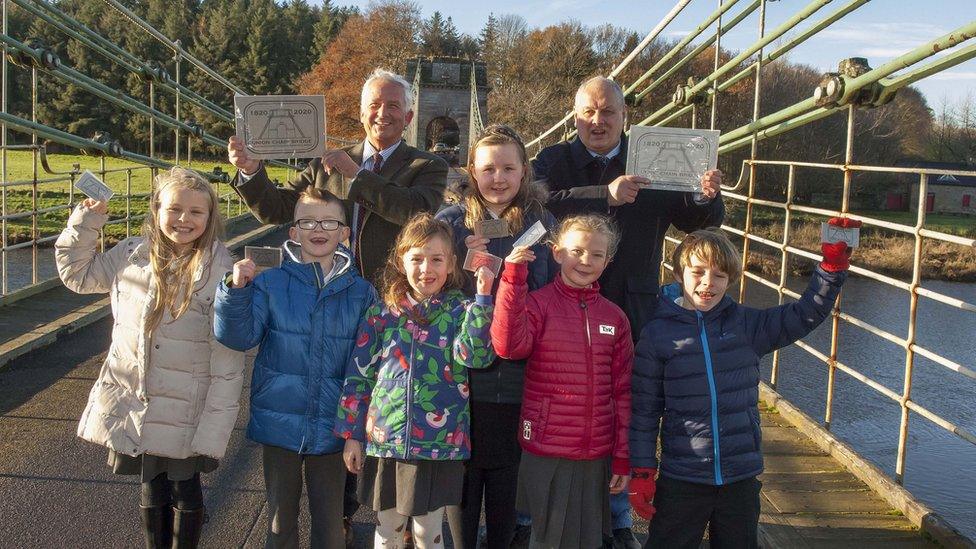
267, 47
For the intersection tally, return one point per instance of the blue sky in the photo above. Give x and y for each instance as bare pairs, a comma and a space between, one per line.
878, 30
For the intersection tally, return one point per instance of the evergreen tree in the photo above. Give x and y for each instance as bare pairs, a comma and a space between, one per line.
331, 20
439, 36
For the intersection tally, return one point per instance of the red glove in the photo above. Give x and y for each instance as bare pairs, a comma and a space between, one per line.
642, 488
837, 256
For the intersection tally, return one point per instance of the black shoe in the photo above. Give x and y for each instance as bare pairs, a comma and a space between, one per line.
187, 526
157, 526
623, 538
523, 532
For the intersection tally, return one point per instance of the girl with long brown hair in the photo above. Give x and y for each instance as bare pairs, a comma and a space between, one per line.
501, 189
166, 398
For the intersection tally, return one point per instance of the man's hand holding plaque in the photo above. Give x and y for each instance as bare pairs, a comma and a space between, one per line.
674, 159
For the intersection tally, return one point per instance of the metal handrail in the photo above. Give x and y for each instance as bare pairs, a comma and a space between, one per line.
874, 87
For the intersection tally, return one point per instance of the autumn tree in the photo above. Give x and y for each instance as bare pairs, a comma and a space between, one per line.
382, 37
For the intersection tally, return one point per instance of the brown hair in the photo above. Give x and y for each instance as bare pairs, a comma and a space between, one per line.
173, 269
418, 231
712, 246
522, 203
591, 223
314, 194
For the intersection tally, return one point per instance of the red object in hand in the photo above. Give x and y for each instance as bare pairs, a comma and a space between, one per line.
837, 255
642, 488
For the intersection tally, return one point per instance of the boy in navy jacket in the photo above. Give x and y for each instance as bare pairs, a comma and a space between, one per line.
304, 315
696, 383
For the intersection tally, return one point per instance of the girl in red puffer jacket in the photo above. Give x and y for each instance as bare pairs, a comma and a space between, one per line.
576, 401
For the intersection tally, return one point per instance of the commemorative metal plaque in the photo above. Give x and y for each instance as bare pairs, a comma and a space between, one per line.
93, 187
281, 126
674, 159
264, 257
492, 228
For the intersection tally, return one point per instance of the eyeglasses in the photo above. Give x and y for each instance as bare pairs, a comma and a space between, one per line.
326, 224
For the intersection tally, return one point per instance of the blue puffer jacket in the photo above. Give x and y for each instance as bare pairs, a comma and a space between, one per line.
700, 371
305, 321
502, 381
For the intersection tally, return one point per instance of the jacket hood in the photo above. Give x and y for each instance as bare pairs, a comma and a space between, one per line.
312, 272
668, 308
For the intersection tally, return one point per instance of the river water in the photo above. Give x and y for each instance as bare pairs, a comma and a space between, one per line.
940, 467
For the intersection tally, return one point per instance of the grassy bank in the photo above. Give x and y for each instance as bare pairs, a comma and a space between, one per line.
21, 199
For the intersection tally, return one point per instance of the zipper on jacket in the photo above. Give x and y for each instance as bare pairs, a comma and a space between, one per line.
714, 398
409, 394
589, 376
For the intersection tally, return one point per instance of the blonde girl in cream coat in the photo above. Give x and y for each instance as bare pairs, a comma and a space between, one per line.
166, 398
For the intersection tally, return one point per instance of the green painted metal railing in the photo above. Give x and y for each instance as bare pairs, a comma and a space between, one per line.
856, 86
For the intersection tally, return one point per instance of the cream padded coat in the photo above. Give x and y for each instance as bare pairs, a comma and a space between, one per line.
174, 392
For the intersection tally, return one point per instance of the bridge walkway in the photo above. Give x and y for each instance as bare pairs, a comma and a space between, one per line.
809, 500
56, 491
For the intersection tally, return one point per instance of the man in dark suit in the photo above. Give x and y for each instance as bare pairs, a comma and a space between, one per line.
587, 175
382, 181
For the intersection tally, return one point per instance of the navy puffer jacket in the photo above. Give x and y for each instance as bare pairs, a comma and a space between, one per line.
697, 374
305, 321
502, 381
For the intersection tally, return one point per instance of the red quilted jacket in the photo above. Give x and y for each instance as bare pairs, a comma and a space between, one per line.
576, 402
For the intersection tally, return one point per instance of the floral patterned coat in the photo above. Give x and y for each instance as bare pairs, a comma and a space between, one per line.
406, 389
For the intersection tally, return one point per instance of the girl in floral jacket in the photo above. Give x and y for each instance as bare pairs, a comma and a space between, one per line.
406, 389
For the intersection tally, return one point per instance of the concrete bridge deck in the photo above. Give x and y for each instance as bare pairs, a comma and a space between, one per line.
56, 491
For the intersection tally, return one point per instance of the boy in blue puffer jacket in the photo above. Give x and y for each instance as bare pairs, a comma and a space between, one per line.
304, 315
696, 382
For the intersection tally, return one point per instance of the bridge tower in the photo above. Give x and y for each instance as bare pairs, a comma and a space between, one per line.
450, 102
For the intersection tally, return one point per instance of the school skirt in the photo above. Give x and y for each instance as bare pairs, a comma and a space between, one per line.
414, 488
148, 466
568, 500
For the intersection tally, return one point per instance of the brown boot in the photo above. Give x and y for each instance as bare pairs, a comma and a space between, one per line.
408, 535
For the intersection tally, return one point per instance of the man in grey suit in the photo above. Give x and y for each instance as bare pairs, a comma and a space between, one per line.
382, 180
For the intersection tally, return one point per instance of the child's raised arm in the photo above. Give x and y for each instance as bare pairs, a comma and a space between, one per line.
515, 321
779, 326
242, 310
472, 346
82, 269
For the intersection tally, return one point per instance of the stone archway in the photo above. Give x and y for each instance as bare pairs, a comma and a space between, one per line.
442, 129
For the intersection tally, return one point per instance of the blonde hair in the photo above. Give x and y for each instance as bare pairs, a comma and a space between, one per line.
421, 229
712, 246
591, 223
522, 203
172, 268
